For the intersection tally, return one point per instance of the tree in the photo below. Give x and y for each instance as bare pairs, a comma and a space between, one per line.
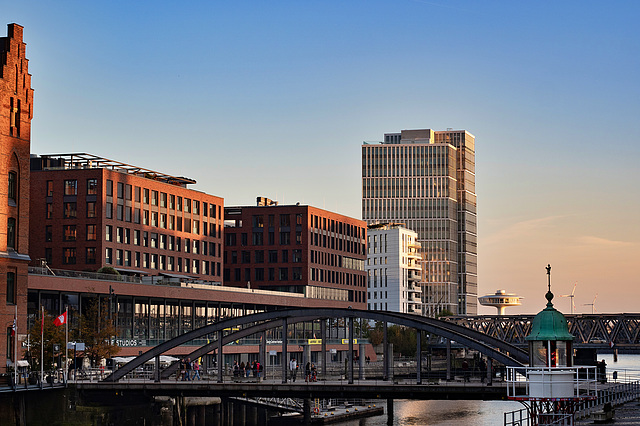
52, 336
96, 330
109, 270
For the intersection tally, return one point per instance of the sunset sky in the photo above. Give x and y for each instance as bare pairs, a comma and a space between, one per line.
254, 98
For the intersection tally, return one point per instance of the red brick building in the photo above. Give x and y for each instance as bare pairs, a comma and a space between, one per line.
297, 249
88, 212
16, 111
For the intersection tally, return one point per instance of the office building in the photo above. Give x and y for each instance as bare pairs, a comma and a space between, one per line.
426, 180
295, 248
16, 109
88, 212
393, 269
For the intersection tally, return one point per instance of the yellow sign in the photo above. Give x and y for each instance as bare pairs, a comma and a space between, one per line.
346, 341
314, 341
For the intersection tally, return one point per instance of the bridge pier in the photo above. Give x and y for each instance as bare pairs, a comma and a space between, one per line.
285, 356
418, 356
390, 411
385, 354
323, 348
361, 350
306, 411
350, 358
220, 358
448, 360
489, 371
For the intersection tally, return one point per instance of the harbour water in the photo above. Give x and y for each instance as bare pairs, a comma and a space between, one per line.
481, 413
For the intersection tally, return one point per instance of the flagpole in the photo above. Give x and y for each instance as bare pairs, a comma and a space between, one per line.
42, 348
66, 344
15, 360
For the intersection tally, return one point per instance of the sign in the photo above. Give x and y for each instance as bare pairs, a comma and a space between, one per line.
274, 353
314, 341
346, 341
333, 351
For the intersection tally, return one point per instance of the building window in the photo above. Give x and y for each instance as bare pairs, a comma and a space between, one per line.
154, 198
172, 202
136, 215
108, 256
120, 193
91, 233
163, 199
11, 288
12, 192
259, 254
119, 235
49, 210
258, 238
196, 207
69, 233
154, 219
109, 188
127, 192
91, 255
71, 187
297, 274
273, 256
145, 198
108, 210
119, 256
284, 274
69, 256
136, 237
196, 227
49, 188
91, 209
297, 256
138, 192
187, 205
48, 255
179, 204
11, 233
205, 209
108, 233
285, 220
48, 233
120, 212
285, 238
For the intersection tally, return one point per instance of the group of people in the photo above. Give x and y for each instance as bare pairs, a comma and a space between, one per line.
309, 371
245, 370
189, 370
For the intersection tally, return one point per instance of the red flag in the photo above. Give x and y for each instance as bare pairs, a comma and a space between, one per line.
13, 328
60, 320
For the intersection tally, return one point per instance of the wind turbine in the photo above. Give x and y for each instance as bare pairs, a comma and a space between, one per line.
593, 305
573, 304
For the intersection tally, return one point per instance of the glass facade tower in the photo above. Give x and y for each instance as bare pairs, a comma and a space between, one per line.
426, 180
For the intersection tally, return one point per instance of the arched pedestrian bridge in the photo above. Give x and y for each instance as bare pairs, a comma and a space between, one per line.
494, 348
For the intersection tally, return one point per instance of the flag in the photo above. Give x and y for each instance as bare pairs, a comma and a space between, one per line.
611, 344
13, 328
60, 320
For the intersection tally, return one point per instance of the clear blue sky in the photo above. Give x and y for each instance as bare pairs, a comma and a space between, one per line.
274, 99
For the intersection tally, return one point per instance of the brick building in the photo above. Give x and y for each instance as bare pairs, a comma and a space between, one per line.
297, 249
16, 111
88, 212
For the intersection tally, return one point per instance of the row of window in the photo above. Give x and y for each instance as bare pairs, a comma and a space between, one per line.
139, 260
259, 256
258, 238
144, 195
272, 274
336, 243
331, 225
336, 277
161, 241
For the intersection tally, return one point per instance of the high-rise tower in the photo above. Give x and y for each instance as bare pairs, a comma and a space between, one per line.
426, 179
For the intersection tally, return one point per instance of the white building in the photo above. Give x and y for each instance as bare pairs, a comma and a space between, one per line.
393, 269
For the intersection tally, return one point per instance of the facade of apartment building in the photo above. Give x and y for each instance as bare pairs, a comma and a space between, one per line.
426, 180
88, 212
297, 249
16, 112
393, 269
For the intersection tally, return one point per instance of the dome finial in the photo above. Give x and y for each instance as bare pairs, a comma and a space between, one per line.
549, 295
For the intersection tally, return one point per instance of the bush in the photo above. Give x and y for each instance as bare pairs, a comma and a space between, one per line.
108, 270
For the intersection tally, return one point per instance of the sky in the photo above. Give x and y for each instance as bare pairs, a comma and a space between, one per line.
254, 98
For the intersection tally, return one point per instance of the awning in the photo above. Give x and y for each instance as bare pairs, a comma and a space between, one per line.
131, 271
184, 277
23, 363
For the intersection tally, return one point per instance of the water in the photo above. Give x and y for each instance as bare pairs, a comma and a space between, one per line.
481, 413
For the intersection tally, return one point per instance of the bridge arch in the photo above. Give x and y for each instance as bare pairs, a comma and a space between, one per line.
501, 351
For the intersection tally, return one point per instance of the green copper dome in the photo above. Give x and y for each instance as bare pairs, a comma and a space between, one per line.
549, 324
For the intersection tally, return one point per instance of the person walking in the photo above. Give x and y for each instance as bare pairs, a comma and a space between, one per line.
196, 369
307, 372
293, 368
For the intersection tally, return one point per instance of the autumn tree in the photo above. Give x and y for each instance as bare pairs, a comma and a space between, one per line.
51, 335
96, 330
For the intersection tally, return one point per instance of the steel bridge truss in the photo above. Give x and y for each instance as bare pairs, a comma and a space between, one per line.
602, 329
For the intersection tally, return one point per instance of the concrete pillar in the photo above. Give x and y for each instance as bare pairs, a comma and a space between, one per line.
156, 371
350, 358
361, 351
390, 364
262, 353
323, 348
201, 416
241, 419
389, 411
191, 415
448, 359
489, 371
252, 415
220, 358
306, 411
385, 354
419, 357
217, 414
285, 356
